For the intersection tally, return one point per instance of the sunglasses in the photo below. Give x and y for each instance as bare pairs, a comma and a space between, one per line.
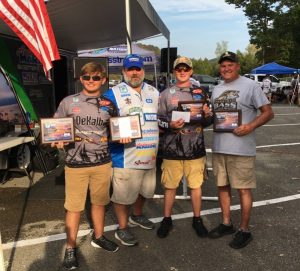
182, 69
88, 77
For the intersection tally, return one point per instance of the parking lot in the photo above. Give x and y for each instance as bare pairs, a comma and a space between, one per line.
32, 221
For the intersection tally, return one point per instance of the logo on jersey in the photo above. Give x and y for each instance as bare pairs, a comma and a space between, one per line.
75, 99
150, 116
128, 101
123, 89
104, 103
76, 110
149, 101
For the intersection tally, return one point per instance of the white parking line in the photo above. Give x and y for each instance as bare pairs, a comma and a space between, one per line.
62, 236
286, 114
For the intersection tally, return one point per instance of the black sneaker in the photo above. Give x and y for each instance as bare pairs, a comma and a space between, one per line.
70, 260
103, 242
199, 227
241, 239
221, 230
165, 226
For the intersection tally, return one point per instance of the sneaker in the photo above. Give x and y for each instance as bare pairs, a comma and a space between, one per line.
241, 239
103, 242
142, 221
165, 226
199, 227
70, 260
125, 237
220, 231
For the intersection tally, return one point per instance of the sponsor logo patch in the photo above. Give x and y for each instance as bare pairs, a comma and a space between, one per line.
150, 116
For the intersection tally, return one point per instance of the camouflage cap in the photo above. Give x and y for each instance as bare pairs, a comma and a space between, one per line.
183, 60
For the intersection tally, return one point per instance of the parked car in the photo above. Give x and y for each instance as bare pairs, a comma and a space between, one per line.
206, 82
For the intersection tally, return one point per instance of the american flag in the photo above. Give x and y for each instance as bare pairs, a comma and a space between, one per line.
30, 21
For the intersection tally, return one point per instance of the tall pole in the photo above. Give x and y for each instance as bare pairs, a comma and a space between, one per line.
128, 26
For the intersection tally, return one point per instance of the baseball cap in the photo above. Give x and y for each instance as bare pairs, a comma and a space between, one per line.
228, 56
183, 60
133, 60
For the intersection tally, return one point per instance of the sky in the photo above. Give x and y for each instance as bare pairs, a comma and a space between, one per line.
197, 25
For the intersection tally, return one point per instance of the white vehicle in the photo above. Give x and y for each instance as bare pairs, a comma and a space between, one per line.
278, 86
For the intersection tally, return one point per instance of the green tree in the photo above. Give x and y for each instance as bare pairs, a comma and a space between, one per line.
221, 48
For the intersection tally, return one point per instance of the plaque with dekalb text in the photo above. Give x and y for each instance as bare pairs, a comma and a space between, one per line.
124, 127
57, 130
227, 120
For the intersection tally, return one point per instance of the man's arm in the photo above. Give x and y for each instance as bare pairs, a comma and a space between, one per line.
266, 114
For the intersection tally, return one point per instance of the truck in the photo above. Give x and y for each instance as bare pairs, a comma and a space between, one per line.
279, 87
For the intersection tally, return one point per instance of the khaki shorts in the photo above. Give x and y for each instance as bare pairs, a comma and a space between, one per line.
129, 183
173, 171
234, 170
78, 180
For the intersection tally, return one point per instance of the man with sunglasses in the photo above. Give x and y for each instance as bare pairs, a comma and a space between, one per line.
182, 143
88, 160
134, 160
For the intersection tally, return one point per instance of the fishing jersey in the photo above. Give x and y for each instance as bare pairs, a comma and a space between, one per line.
91, 116
140, 153
188, 142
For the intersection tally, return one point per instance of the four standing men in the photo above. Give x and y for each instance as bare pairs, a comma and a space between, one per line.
88, 162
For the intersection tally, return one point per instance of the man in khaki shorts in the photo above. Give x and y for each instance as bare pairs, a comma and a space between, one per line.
182, 143
234, 152
88, 160
134, 160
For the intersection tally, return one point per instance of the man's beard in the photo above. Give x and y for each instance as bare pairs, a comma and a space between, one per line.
134, 84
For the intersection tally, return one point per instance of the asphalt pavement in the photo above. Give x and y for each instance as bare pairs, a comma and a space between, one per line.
32, 220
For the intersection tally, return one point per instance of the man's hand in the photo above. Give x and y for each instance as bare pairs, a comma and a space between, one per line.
177, 124
125, 140
59, 145
244, 129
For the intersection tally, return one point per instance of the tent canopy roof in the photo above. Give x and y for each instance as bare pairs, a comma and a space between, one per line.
273, 68
80, 25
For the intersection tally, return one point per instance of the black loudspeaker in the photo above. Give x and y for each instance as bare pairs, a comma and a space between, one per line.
164, 59
78, 62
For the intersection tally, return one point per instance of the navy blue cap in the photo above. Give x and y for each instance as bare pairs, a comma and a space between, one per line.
133, 60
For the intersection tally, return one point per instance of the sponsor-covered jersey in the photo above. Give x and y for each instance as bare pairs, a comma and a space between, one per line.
186, 143
91, 116
140, 153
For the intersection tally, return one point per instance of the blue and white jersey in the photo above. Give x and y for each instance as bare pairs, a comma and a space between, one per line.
140, 153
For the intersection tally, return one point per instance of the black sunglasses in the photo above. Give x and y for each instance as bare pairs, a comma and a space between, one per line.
183, 69
88, 77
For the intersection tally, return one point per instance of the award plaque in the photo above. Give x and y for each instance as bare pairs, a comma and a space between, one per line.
127, 126
57, 129
194, 107
227, 120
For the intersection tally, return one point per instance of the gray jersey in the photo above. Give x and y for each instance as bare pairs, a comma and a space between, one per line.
243, 94
91, 116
